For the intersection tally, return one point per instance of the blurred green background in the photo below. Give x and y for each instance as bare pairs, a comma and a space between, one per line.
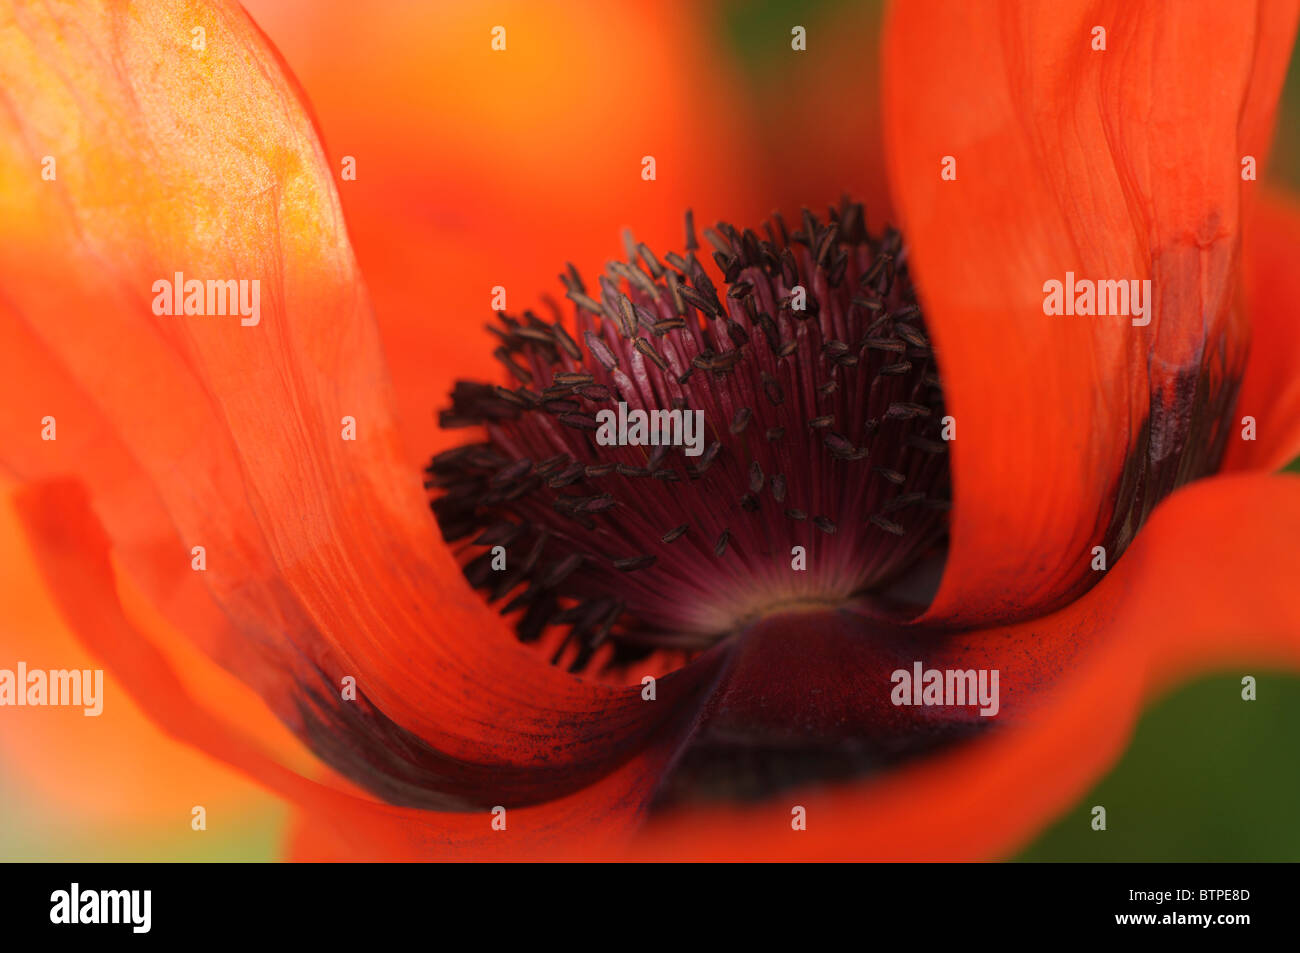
1207, 776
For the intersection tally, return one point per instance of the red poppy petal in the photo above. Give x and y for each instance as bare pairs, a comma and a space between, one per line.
1207, 583
1173, 607
493, 168
112, 777
318, 549
1115, 164
69, 543
1270, 392
1275, 28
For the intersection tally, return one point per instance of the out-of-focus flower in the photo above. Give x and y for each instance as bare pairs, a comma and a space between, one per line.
324, 564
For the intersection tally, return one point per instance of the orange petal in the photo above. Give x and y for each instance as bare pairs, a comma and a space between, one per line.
1207, 583
1115, 164
492, 168
113, 776
321, 553
70, 543
1270, 392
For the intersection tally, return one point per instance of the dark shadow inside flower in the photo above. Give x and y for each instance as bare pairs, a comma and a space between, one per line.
786, 541
774, 584
801, 460
810, 499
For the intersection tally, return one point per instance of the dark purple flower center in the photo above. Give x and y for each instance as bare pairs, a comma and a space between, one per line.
818, 476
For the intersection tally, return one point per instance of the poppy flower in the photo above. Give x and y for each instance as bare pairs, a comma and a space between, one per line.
908, 462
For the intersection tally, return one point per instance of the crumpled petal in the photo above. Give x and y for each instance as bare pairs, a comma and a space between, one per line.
1175, 607
321, 553
1122, 164
69, 542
